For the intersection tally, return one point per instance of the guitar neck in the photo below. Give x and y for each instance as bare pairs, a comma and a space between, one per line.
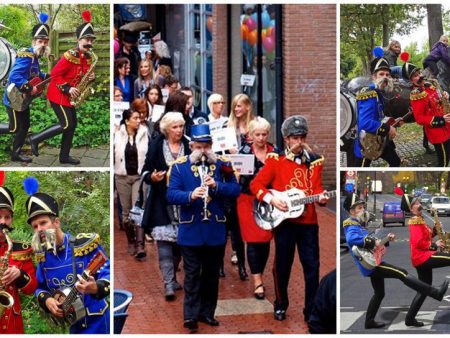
43, 83
384, 240
400, 119
73, 294
315, 198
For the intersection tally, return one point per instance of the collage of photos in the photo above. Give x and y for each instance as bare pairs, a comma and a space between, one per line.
174, 168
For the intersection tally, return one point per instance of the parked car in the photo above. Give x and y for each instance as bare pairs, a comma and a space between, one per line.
393, 213
425, 199
441, 204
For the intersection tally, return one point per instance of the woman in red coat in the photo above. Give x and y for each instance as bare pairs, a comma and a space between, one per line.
427, 104
64, 88
425, 255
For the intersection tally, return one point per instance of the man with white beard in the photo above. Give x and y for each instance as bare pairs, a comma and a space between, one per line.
25, 68
199, 183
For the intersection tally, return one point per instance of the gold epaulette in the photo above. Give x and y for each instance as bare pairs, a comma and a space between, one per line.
180, 160
317, 162
417, 94
21, 251
349, 222
416, 220
40, 257
85, 243
72, 56
365, 94
24, 53
273, 155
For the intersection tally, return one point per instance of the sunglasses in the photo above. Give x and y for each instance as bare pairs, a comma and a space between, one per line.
219, 102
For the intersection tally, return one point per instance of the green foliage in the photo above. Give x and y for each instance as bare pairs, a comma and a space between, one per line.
83, 199
17, 18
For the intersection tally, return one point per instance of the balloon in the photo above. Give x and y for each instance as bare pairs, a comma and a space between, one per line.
252, 37
272, 23
270, 56
265, 18
209, 23
272, 32
269, 44
263, 34
269, 31
251, 23
116, 46
244, 32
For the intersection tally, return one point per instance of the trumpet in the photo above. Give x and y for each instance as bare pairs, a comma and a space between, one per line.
205, 196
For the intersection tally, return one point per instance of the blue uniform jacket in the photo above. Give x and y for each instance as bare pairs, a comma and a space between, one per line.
55, 272
183, 179
25, 68
370, 105
355, 234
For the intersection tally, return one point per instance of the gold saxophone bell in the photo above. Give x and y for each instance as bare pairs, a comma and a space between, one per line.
442, 235
6, 300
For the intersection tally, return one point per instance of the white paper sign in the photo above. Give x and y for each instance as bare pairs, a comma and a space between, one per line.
157, 111
217, 124
243, 164
248, 80
224, 139
118, 108
165, 94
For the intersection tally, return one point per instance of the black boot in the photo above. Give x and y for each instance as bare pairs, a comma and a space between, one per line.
426, 289
221, 271
17, 157
417, 302
66, 144
242, 272
140, 244
131, 237
37, 138
372, 310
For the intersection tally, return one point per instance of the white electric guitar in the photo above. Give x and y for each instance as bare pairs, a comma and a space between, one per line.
268, 217
370, 259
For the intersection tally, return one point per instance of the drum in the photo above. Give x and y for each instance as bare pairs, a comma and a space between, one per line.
347, 113
7, 59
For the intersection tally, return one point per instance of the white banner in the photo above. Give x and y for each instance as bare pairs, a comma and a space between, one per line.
224, 139
242, 163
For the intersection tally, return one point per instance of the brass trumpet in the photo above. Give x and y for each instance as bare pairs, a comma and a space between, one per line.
205, 196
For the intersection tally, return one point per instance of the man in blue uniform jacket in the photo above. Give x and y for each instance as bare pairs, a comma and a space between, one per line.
58, 254
370, 104
198, 183
359, 237
25, 68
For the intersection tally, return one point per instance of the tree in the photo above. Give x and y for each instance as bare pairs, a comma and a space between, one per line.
435, 28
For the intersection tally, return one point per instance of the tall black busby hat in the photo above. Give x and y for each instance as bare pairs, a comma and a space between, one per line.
38, 203
6, 196
41, 30
351, 201
379, 62
408, 69
86, 30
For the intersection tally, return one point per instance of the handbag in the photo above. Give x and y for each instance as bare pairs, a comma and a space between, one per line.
137, 211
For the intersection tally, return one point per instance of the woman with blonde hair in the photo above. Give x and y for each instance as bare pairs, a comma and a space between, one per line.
240, 116
145, 78
216, 105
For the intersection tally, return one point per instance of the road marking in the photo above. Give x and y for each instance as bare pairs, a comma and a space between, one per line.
398, 324
228, 307
348, 318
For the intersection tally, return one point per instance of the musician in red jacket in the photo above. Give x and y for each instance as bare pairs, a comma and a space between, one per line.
427, 104
66, 77
19, 276
425, 255
302, 169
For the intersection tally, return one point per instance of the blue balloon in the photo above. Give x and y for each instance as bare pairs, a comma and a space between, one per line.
272, 23
265, 18
255, 17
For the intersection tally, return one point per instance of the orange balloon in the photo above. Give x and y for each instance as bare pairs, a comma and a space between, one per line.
244, 32
263, 34
269, 31
252, 37
209, 23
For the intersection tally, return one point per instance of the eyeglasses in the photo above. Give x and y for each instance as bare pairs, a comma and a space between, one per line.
219, 102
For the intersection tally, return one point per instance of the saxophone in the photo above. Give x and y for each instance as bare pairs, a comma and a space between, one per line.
443, 236
6, 300
83, 86
445, 103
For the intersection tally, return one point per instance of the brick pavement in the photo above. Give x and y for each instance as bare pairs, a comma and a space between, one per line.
237, 311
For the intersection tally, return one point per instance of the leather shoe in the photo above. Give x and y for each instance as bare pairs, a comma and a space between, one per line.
170, 295
259, 295
17, 157
280, 315
211, 321
242, 273
191, 324
69, 160
374, 325
414, 322
34, 147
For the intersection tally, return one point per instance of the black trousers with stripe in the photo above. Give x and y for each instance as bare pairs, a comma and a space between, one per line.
442, 153
19, 123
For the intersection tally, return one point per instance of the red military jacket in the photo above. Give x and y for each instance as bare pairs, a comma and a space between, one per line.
283, 173
67, 73
420, 240
428, 111
21, 257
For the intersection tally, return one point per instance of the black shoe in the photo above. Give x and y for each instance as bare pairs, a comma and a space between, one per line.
428, 150
191, 324
279, 315
260, 295
374, 325
170, 295
242, 273
69, 160
211, 321
414, 322
34, 146
17, 157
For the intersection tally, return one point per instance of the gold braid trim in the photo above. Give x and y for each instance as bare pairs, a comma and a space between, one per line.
25, 54
88, 246
350, 221
71, 58
22, 256
416, 220
363, 95
317, 162
40, 257
415, 95
273, 155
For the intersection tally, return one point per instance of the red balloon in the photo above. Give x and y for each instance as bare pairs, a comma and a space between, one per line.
269, 44
251, 24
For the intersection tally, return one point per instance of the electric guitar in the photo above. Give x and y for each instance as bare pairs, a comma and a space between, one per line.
20, 101
370, 259
268, 217
72, 303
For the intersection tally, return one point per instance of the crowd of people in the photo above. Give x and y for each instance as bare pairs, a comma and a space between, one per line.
194, 197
